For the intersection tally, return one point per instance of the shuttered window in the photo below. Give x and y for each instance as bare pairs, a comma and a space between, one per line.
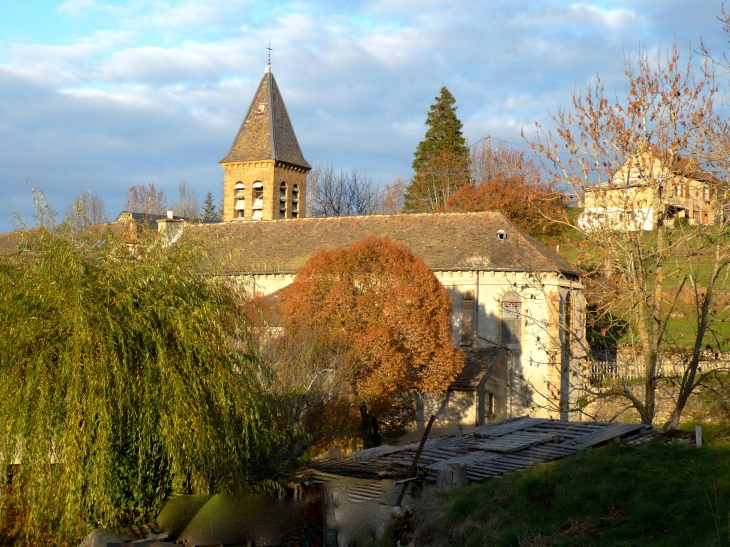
511, 331
467, 318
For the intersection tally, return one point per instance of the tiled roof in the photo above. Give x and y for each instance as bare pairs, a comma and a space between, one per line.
688, 167
477, 362
448, 241
11, 244
267, 132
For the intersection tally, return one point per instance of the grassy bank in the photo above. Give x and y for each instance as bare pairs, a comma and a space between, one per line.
655, 494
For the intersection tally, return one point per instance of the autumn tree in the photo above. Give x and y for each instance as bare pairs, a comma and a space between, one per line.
146, 200
506, 181
386, 316
312, 378
441, 160
637, 157
124, 377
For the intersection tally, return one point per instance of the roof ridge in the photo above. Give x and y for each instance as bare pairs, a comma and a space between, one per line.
270, 76
377, 215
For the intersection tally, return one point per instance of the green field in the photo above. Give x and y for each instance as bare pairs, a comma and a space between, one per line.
697, 261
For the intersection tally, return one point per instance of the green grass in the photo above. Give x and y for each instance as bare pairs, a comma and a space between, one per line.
678, 266
656, 494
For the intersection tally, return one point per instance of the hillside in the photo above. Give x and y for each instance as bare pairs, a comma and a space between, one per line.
688, 262
658, 494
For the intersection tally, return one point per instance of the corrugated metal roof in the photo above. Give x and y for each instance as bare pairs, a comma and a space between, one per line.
487, 451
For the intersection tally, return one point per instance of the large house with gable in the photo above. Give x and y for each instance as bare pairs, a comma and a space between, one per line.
517, 306
650, 189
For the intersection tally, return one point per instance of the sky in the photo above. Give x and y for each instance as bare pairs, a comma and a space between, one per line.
106, 94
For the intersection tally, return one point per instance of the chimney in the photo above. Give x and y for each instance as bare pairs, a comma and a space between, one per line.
170, 215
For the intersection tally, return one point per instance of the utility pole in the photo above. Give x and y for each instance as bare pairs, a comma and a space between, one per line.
489, 158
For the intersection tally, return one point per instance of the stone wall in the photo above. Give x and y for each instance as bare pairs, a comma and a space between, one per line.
697, 409
271, 174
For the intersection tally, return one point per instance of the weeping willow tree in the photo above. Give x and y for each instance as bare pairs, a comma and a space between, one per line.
124, 375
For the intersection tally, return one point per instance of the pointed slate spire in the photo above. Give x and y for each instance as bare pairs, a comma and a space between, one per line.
266, 132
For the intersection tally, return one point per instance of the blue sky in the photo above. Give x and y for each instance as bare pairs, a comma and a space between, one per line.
106, 94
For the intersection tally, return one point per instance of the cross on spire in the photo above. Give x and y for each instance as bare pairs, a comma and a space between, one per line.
269, 48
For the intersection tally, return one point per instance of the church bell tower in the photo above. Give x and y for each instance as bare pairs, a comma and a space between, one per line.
265, 173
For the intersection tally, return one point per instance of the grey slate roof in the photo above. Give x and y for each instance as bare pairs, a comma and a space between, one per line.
477, 362
267, 132
445, 241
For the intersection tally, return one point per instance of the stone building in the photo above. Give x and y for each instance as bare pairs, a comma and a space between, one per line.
265, 173
514, 301
651, 188
508, 290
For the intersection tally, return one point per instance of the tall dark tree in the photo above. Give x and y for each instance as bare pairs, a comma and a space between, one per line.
441, 160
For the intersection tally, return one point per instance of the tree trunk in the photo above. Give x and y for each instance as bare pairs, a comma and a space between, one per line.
370, 435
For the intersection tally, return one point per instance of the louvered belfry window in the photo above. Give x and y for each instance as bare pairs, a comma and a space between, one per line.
240, 201
258, 200
295, 201
511, 329
282, 200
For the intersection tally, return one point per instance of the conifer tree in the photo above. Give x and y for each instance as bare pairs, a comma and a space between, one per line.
209, 209
441, 160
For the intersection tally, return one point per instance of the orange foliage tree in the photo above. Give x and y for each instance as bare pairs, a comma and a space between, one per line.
392, 316
529, 204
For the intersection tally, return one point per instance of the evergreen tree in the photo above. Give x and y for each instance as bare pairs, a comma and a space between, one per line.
209, 209
441, 160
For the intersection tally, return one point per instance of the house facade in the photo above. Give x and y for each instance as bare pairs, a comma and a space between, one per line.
509, 292
649, 190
